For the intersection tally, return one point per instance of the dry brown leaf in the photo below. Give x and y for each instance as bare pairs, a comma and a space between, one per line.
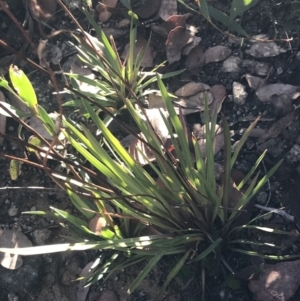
140, 46
43, 10
277, 282
218, 93
103, 13
167, 9
216, 54
175, 21
12, 239
139, 151
264, 94
195, 60
263, 49
255, 82
96, 224
2, 118
108, 295
194, 103
275, 130
188, 48
191, 88
177, 39
148, 9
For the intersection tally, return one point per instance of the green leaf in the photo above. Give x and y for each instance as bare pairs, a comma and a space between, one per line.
213, 246
224, 19
81, 204
173, 273
238, 7
23, 86
202, 4
15, 167
146, 270
12, 110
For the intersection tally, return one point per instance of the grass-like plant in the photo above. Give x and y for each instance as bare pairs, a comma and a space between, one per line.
178, 208
118, 79
125, 210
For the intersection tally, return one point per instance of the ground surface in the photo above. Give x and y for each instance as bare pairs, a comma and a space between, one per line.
50, 277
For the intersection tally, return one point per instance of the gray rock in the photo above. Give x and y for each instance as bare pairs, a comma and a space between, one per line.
41, 236
275, 147
231, 64
239, 93
293, 156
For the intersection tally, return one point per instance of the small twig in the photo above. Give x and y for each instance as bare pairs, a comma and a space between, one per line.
278, 211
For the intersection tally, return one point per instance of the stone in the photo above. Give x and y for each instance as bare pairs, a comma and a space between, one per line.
239, 93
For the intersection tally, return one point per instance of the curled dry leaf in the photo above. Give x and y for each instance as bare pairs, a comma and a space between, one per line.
191, 97
42, 10
255, 82
277, 282
103, 13
12, 239
189, 47
140, 46
195, 60
177, 39
263, 49
218, 93
167, 9
264, 94
148, 9
175, 21
2, 119
96, 224
216, 54
275, 130
191, 88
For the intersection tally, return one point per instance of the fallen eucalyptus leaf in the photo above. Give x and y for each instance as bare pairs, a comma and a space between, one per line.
264, 94
275, 130
177, 39
167, 9
216, 54
255, 82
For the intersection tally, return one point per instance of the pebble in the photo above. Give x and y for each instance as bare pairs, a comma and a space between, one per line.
41, 236
13, 211
293, 156
239, 93
231, 64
